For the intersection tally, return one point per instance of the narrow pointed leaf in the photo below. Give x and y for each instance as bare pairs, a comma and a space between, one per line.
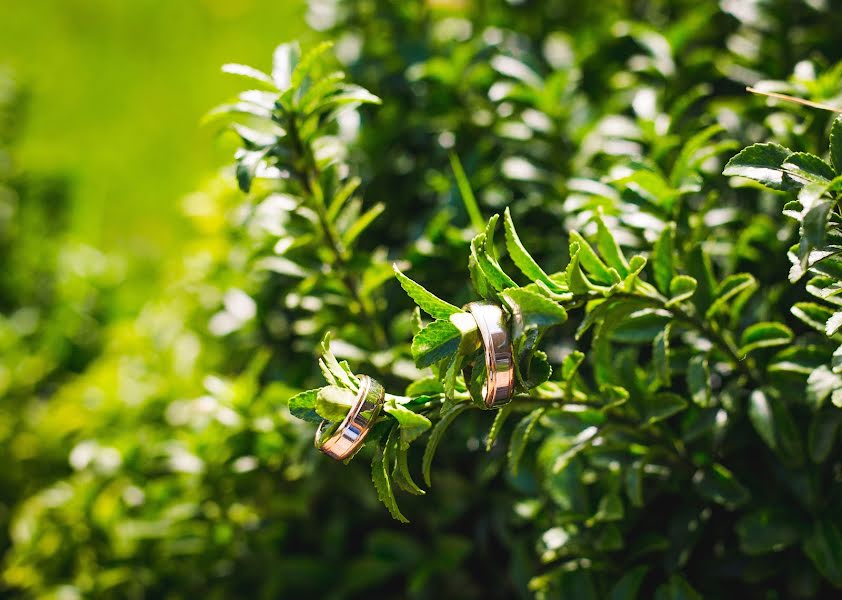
662, 259
436, 435
522, 259
427, 301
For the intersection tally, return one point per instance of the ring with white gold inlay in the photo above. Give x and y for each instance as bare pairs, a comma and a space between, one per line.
351, 432
493, 327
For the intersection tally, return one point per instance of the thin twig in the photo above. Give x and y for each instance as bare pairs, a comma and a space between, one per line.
795, 100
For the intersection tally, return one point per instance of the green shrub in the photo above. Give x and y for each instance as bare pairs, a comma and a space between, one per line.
674, 428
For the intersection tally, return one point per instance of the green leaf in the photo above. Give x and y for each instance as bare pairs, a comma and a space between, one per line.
255, 139
639, 327
333, 403
821, 383
401, 473
761, 417
380, 468
570, 364
836, 144
305, 65
609, 248
634, 483
662, 406
764, 335
628, 586
428, 302
651, 187
766, 530
284, 61
718, 484
803, 165
774, 424
447, 417
467, 194
662, 259
812, 314
575, 445
676, 588
336, 373
699, 268
610, 508
589, 260
519, 255
303, 406
833, 323
436, 341
824, 547
411, 423
481, 252
249, 73
636, 265
698, 380
694, 152
531, 309
730, 287
814, 226
762, 163
361, 224
499, 420
520, 436
821, 436
341, 196
347, 96
660, 356
681, 288
247, 165
576, 280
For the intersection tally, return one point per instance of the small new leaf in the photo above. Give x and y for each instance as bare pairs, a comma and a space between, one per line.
681, 288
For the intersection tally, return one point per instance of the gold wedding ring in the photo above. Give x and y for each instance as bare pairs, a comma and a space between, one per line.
350, 434
499, 382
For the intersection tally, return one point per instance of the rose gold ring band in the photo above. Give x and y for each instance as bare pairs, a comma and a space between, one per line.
350, 434
499, 357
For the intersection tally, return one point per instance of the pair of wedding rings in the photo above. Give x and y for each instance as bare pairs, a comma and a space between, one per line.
497, 388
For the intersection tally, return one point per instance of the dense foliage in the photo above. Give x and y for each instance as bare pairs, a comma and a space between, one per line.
675, 427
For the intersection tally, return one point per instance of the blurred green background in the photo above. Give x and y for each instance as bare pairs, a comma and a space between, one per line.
116, 94
149, 347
